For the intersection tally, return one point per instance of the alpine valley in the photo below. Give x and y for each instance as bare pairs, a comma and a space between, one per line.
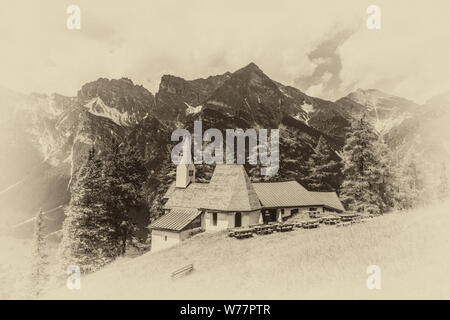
45, 138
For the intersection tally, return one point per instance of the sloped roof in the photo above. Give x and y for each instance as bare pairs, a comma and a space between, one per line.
284, 194
293, 194
177, 219
230, 189
190, 197
329, 199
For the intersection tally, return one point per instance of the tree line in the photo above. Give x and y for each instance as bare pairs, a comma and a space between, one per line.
367, 175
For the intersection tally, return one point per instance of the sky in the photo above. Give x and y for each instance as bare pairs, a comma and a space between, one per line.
322, 47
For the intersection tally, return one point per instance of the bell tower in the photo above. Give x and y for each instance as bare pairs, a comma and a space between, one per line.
185, 169
185, 175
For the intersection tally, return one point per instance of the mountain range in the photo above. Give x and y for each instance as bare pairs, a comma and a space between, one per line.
45, 138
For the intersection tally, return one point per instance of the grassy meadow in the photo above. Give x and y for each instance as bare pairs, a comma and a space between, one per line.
411, 248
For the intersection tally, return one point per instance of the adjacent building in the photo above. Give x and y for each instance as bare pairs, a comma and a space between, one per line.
230, 200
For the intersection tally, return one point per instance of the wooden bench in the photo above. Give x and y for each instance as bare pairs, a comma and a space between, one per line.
182, 271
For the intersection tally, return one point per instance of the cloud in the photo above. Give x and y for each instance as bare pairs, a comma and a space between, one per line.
294, 41
325, 81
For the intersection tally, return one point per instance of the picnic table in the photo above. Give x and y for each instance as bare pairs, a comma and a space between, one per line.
348, 217
243, 233
285, 227
262, 228
297, 224
331, 220
310, 224
314, 214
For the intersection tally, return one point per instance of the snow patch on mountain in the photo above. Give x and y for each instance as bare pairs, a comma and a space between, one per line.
219, 103
284, 91
97, 107
192, 110
308, 108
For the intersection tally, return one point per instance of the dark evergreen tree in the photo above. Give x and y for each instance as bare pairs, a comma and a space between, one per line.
39, 273
324, 168
364, 171
387, 173
125, 175
88, 230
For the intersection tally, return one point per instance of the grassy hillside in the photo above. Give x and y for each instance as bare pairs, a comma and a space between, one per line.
411, 248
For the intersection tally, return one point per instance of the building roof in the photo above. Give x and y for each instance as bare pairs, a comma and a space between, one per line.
330, 199
293, 194
284, 194
230, 189
189, 197
177, 219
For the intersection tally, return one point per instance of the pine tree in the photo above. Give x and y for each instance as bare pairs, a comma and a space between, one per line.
39, 273
125, 174
323, 168
88, 230
387, 174
443, 191
408, 187
364, 170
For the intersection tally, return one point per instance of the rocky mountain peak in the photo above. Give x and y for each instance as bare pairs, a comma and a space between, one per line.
119, 94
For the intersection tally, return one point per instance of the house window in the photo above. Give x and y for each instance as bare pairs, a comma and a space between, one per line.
294, 211
165, 238
214, 219
191, 173
312, 209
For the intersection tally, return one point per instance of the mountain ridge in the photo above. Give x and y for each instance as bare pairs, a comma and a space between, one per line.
58, 131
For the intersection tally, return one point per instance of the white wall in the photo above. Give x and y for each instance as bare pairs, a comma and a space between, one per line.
183, 178
225, 220
250, 218
159, 240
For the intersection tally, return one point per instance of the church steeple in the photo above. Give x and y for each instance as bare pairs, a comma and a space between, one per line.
185, 169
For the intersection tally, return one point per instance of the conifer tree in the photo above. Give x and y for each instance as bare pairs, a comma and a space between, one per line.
364, 171
39, 272
88, 230
125, 174
443, 191
409, 187
386, 172
323, 168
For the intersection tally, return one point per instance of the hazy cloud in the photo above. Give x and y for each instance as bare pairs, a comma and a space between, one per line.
325, 81
293, 41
